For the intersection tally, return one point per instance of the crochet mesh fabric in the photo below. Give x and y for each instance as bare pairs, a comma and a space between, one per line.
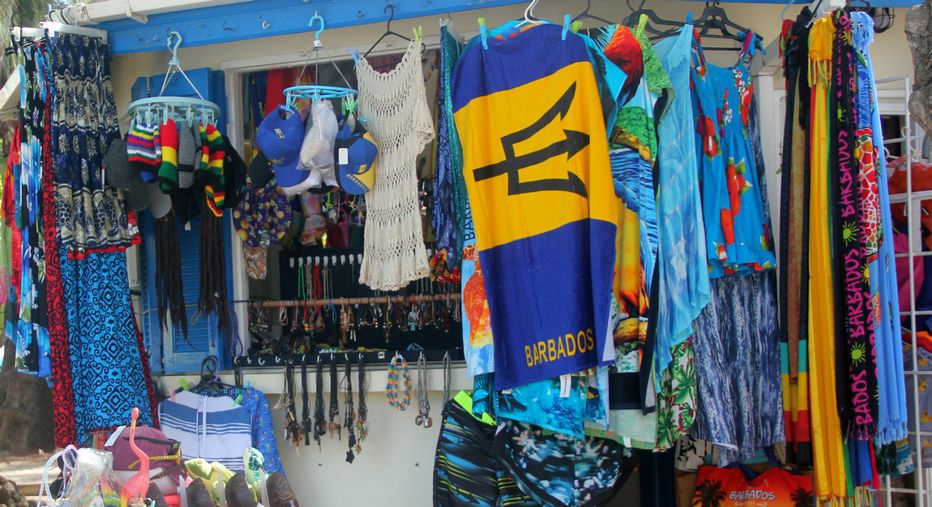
399, 120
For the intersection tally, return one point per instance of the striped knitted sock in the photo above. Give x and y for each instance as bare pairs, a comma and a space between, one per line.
168, 171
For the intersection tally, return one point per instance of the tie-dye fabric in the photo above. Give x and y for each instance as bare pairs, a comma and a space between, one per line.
738, 367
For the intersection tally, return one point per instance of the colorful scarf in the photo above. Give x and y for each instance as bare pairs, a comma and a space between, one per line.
891, 421
854, 320
828, 455
794, 235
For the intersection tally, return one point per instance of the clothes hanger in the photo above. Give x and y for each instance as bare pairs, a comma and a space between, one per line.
586, 15
390, 9
210, 377
529, 17
653, 20
852, 5
714, 17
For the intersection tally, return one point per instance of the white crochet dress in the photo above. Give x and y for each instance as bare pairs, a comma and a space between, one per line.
395, 105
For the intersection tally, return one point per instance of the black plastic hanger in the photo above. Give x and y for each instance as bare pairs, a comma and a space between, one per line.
390, 9
210, 377
714, 17
858, 5
652, 18
586, 15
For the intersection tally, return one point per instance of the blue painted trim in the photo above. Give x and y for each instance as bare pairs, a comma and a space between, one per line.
877, 3
267, 18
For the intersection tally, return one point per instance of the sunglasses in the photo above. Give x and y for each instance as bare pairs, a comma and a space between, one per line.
174, 455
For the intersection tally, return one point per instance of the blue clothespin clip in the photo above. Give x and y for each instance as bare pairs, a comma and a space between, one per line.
689, 17
310, 24
567, 21
355, 54
483, 33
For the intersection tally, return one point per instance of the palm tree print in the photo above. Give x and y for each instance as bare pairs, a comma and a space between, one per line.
708, 494
802, 497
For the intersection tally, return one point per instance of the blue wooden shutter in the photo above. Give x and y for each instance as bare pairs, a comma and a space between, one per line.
178, 354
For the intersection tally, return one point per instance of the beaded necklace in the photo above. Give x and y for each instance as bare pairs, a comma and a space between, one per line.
320, 427
334, 401
423, 404
362, 417
349, 413
398, 372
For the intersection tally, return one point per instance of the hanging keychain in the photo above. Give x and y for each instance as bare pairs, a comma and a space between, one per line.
447, 374
423, 404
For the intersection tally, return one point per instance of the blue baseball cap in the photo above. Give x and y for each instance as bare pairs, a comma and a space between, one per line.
356, 153
279, 138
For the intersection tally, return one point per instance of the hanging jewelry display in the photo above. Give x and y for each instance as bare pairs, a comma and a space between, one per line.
398, 374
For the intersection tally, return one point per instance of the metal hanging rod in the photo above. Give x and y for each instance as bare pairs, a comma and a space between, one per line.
355, 301
51, 28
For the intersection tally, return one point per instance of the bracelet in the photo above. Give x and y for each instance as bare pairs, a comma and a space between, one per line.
398, 373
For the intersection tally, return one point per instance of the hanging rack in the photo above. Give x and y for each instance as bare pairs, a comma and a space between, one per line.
586, 15
420, 298
390, 10
317, 92
50, 28
164, 107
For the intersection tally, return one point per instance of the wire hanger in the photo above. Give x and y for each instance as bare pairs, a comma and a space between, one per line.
390, 10
586, 15
529, 17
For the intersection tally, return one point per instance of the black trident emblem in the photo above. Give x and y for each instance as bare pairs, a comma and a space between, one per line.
572, 144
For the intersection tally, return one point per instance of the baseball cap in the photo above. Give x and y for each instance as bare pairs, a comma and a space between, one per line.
122, 175
356, 154
159, 203
260, 170
279, 137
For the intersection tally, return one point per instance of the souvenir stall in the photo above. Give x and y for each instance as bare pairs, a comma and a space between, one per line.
475, 253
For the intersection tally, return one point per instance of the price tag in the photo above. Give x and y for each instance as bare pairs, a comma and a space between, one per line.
565, 386
343, 156
114, 436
